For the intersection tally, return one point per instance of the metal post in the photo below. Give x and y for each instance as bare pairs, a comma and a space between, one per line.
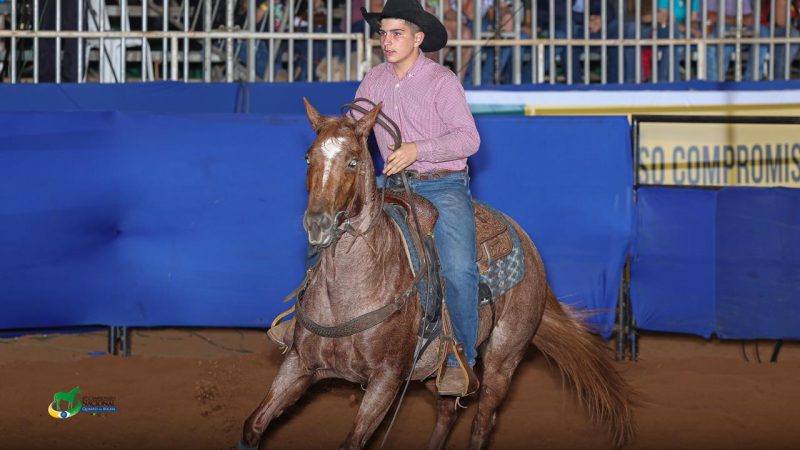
348, 21
144, 44
13, 59
251, 44
637, 58
654, 48
621, 338
568, 63
310, 43
185, 41
35, 41
58, 42
671, 48
228, 41
125, 25
477, 32
516, 65
164, 46
112, 340
329, 42
173, 71
290, 43
603, 48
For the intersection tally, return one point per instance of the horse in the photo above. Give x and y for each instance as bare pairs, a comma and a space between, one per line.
367, 268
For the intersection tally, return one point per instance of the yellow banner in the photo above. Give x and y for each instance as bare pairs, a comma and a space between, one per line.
719, 154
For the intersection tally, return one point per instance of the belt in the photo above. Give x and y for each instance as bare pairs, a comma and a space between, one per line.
436, 174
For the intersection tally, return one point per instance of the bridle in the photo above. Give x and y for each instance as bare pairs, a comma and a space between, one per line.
346, 214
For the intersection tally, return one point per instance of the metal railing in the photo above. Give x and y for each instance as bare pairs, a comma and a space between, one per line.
549, 41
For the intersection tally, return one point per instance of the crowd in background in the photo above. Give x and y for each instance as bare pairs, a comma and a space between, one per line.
489, 22
672, 19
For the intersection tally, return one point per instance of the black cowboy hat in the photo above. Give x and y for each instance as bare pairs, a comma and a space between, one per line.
412, 11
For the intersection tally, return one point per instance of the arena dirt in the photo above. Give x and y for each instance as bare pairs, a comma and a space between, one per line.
194, 388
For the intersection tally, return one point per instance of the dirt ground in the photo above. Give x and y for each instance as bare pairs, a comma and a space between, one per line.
194, 388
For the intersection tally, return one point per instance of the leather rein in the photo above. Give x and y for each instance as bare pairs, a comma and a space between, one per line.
372, 318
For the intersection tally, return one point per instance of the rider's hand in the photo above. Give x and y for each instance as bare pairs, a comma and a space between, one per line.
400, 158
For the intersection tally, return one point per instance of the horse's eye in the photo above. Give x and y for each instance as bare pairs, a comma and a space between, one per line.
353, 163
308, 161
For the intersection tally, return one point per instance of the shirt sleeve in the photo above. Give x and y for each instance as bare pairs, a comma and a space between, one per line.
461, 138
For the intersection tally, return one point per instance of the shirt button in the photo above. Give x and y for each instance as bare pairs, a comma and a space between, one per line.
397, 86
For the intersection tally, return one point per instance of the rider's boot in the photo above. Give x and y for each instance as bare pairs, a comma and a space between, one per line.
457, 380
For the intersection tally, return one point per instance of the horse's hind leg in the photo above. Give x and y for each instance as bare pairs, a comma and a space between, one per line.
291, 382
446, 414
497, 373
506, 346
379, 397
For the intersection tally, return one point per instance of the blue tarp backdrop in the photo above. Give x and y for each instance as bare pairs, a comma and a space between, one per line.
724, 262
144, 219
177, 209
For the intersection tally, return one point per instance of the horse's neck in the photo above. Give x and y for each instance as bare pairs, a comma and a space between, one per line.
356, 276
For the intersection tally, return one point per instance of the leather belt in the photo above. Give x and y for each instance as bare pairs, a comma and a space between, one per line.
436, 174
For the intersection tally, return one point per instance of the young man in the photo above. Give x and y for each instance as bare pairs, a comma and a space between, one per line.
428, 103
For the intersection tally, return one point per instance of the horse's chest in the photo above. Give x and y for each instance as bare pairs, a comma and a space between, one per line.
339, 357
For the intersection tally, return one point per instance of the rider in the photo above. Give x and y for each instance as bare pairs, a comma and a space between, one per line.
428, 103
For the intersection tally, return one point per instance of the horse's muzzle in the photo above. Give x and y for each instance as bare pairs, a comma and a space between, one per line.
319, 227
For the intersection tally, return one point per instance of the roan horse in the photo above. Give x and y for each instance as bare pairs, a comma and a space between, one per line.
370, 269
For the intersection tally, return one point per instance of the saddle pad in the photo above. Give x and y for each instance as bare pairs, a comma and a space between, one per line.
505, 265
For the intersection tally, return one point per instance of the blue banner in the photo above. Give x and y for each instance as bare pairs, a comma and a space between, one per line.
144, 219
724, 262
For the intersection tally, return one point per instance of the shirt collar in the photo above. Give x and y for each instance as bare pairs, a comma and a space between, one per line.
421, 62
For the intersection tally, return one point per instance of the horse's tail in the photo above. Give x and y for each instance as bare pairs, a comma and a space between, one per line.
586, 364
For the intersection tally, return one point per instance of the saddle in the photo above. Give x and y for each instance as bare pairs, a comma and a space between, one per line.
491, 237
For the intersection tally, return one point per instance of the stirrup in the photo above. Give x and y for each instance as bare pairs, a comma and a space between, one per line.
459, 381
277, 331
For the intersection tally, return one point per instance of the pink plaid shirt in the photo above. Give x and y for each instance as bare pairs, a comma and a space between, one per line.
430, 107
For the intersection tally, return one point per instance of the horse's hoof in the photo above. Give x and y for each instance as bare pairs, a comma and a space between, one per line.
241, 446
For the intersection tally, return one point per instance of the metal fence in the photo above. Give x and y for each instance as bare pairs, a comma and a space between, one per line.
491, 41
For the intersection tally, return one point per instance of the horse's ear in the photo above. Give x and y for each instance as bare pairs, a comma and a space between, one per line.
313, 115
365, 124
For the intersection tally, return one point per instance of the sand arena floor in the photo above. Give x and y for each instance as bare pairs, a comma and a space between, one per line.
194, 388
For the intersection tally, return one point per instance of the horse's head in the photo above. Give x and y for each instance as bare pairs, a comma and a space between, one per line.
339, 172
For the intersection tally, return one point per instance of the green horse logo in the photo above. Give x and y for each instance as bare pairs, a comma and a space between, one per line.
72, 408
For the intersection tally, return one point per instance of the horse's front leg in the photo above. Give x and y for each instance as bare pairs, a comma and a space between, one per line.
292, 380
377, 400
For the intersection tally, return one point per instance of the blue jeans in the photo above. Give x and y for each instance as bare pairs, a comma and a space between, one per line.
778, 61
560, 53
629, 52
455, 242
262, 57
612, 53
715, 72
677, 56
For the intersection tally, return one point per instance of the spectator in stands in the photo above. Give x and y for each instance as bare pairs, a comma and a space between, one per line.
262, 46
595, 29
678, 24
715, 71
645, 15
452, 22
488, 24
69, 47
545, 28
778, 61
